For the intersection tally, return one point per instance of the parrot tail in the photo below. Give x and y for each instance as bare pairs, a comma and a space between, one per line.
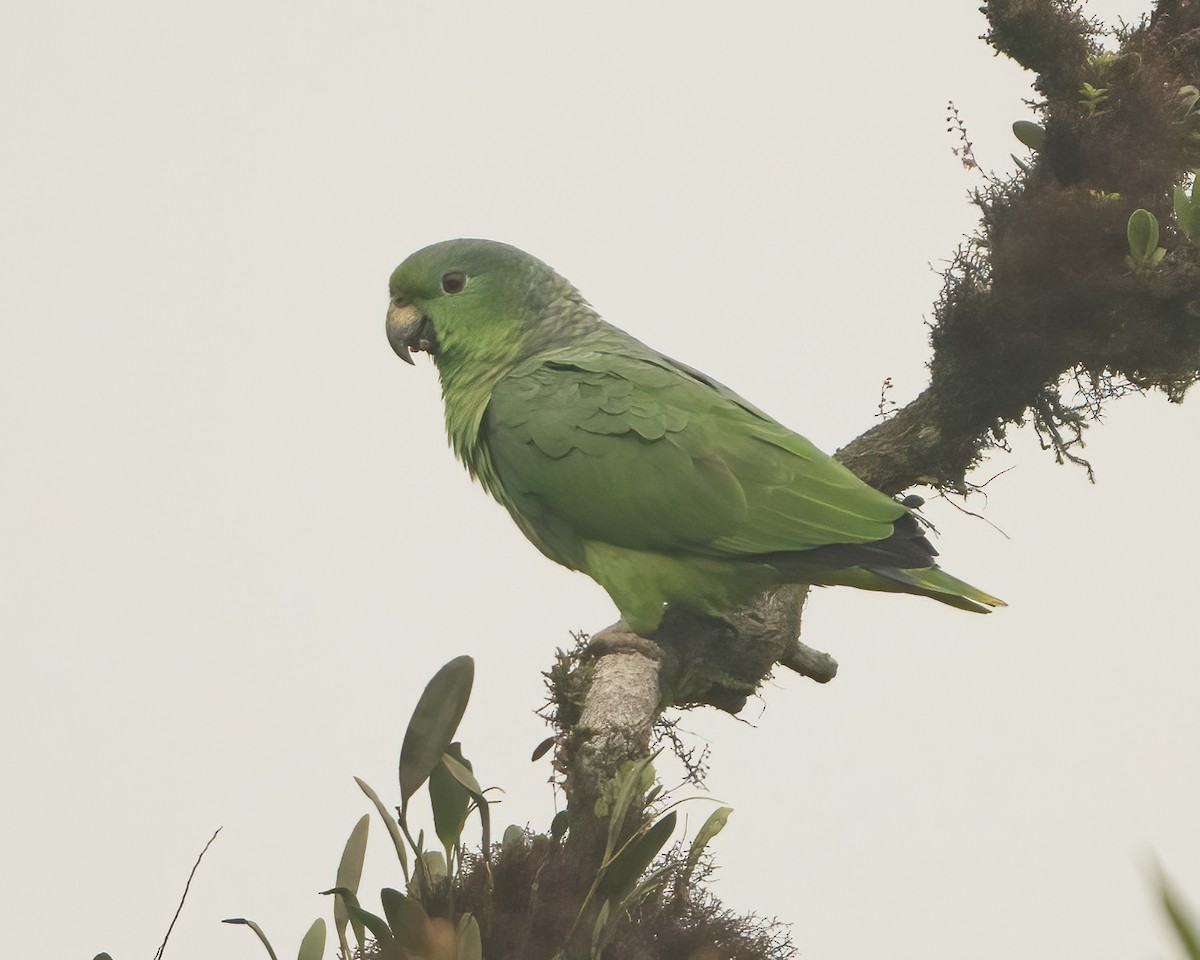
933, 582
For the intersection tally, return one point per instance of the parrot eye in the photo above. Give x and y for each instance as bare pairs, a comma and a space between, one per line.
454, 282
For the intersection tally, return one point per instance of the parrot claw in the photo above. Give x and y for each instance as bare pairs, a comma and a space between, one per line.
620, 639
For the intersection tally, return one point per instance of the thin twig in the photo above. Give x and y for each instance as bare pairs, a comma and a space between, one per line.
187, 886
980, 486
971, 513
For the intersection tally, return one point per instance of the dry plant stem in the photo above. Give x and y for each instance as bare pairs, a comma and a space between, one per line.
183, 899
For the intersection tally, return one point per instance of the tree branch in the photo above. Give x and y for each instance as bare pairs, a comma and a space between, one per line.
1040, 297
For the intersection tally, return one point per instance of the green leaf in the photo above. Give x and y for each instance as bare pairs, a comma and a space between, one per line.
1183, 209
461, 771
102, 956
654, 878
313, 944
466, 778
1142, 231
258, 930
541, 749
1031, 134
470, 942
712, 826
348, 874
449, 799
1187, 211
627, 866
598, 931
434, 721
634, 778
435, 862
513, 835
408, 920
1185, 926
378, 927
389, 821
559, 825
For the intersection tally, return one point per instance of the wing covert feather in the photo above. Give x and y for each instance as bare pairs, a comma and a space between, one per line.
644, 453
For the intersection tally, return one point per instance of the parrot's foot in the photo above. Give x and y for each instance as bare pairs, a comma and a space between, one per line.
620, 639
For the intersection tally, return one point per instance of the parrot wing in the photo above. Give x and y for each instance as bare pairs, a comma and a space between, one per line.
645, 453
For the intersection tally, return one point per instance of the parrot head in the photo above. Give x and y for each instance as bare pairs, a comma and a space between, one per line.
470, 300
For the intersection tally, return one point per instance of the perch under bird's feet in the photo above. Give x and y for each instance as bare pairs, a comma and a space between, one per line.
620, 639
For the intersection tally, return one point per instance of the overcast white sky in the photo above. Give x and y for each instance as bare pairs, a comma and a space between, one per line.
235, 545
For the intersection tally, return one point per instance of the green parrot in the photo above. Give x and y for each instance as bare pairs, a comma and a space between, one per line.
659, 483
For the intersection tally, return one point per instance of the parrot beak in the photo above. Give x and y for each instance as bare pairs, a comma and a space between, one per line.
408, 329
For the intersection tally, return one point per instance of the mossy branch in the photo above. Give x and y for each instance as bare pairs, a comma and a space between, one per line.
1049, 37
1041, 299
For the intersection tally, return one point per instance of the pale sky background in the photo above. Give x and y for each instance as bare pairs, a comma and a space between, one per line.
235, 545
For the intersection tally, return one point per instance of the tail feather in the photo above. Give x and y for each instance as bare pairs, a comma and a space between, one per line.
932, 582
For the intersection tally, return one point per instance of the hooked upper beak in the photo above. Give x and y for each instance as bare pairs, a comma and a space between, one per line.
407, 330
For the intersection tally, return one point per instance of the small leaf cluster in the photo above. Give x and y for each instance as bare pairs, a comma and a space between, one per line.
312, 947
1189, 99
1144, 252
622, 883
422, 922
1093, 99
1187, 211
1033, 135
419, 923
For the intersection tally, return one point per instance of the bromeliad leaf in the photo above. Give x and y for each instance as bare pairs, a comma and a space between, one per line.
433, 724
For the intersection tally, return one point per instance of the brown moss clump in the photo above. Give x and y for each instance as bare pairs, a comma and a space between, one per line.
1041, 318
528, 904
